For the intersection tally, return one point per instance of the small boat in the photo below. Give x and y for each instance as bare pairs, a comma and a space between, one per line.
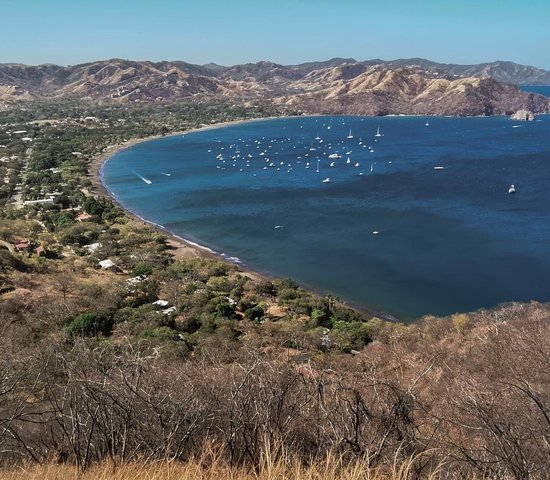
357, 164
348, 161
334, 155
439, 168
332, 164
512, 189
371, 167
326, 180
378, 134
349, 134
427, 123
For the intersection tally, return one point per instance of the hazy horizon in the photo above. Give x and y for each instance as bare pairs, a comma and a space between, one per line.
463, 32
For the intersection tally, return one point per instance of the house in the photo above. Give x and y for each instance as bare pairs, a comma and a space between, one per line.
107, 264
161, 303
92, 247
170, 310
83, 217
22, 244
38, 202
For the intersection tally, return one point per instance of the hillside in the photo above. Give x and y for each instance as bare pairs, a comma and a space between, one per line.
502, 71
169, 356
338, 86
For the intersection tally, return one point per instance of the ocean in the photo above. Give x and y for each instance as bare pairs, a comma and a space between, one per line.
418, 221
540, 89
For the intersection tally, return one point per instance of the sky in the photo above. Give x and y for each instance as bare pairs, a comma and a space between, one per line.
68, 32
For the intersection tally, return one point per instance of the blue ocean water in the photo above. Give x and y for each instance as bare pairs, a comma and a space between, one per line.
448, 239
540, 89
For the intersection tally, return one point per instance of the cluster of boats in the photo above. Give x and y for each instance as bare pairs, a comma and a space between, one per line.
302, 153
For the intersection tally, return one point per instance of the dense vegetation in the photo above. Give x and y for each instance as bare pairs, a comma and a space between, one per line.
166, 352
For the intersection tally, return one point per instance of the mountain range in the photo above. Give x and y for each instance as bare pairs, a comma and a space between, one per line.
336, 86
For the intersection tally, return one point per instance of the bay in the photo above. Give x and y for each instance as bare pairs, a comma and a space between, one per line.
448, 239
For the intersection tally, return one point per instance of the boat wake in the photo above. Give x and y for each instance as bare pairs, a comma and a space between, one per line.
146, 180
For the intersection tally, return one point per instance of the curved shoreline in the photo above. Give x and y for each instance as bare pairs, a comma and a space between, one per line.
184, 248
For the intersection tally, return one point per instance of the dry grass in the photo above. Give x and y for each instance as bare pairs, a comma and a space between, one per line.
195, 471
213, 467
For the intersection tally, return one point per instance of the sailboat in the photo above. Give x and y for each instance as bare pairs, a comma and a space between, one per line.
326, 180
427, 123
318, 162
378, 134
512, 189
349, 134
371, 167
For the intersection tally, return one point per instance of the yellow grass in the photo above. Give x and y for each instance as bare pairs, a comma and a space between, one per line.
212, 467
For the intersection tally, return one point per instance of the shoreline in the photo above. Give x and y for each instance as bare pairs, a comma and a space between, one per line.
181, 247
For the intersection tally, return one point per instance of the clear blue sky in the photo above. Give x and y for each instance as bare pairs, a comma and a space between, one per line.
239, 31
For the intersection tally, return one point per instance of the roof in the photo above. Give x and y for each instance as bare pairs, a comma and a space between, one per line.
83, 216
106, 263
161, 303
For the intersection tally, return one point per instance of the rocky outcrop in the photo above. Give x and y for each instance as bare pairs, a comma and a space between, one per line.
523, 115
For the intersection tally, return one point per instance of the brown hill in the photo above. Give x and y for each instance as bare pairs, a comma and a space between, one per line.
346, 88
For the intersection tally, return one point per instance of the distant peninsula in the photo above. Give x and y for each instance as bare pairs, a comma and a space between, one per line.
337, 86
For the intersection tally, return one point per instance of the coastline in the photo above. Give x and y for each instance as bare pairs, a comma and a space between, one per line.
182, 248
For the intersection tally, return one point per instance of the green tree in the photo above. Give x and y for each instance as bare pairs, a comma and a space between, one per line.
91, 324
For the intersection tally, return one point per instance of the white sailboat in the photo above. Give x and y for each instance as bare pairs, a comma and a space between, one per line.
512, 189
378, 134
349, 134
318, 163
371, 167
326, 180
